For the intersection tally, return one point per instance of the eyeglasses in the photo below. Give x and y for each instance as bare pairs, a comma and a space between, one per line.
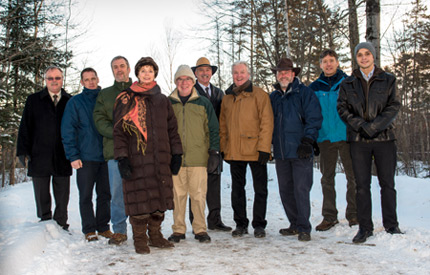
52, 78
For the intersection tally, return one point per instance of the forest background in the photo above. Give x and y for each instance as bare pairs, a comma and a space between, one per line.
37, 34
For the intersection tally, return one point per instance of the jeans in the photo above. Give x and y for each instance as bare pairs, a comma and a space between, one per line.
94, 174
118, 216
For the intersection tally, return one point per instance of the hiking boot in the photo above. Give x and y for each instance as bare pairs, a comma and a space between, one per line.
353, 222
239, 231
92, 236
304, 237
288, 231
156, 238
176, 237
259, 232
117, 239
203, 237
362, 236
326, 225
394, 230
107, 234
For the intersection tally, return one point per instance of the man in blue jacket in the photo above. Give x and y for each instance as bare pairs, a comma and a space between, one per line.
298, 118
332, 142
84, 148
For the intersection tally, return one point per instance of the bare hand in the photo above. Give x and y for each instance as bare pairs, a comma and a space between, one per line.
76, 164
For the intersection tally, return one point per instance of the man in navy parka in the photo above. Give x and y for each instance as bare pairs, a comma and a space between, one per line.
297, 117
84, 148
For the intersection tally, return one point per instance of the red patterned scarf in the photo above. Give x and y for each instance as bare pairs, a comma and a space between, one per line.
135, 119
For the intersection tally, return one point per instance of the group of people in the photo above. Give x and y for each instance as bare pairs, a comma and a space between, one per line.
145, 153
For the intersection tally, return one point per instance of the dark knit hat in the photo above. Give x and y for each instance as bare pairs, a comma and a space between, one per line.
285, 64
365, 45
143, 62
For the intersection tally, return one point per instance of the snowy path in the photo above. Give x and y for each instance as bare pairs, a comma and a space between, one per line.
29, 247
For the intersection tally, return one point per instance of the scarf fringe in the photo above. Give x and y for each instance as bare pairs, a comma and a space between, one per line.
131, 128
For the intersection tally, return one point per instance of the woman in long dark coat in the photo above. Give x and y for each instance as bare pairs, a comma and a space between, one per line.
148, 149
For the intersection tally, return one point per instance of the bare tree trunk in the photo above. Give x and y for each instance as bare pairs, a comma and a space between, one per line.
287, 29
373, 26
353, 30
3, 166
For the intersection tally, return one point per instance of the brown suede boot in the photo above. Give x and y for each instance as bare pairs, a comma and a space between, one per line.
154, 231
139, 224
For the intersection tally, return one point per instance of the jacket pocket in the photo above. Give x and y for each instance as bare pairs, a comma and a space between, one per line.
248, 144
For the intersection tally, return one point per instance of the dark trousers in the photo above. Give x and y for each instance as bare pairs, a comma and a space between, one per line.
94, 173
213, 200
238, 193
295, 178
385, 156
330, 151
42, 195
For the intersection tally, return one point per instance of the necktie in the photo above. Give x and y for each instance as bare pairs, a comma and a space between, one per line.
55, 100
207, 91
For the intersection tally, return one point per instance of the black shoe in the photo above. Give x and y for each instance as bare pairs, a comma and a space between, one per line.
259, 232
394, 230
203, 237
176, 237
239, 231
288, 231
362, 236
304, 237
220, 226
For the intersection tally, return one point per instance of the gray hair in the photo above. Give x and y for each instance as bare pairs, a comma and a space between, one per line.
50, 68
120, 57
241, 62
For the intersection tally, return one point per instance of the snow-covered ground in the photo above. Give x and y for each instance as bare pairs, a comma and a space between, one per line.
30, 247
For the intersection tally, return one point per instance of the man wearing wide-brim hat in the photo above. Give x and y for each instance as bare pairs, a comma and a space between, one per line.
203, 72
298, 118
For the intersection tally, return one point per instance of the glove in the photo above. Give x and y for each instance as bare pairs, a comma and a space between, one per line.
213, 161
316, 148
306, 148
175, 164
364, 134
23, 158
263, 157
124, 167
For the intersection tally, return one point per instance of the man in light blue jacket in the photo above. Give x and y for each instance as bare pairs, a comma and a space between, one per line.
84, 148
332, 142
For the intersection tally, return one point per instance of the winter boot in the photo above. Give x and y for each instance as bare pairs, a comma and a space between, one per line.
139, 225
154, 230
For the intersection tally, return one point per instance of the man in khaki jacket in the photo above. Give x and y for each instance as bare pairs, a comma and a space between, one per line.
246, 127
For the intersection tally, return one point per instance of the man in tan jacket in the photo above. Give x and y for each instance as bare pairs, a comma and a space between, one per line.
246, 127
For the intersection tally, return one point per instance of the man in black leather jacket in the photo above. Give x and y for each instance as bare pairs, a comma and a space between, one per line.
368, 104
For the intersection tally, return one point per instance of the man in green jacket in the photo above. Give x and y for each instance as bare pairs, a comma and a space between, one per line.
103, 112
199, 131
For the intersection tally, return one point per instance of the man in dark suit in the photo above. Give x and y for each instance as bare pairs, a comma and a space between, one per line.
39, 143
203, 72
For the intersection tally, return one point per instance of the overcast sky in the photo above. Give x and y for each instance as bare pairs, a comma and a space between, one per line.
134, 28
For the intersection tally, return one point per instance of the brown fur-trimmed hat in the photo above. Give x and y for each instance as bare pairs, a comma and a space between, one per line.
143, 62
